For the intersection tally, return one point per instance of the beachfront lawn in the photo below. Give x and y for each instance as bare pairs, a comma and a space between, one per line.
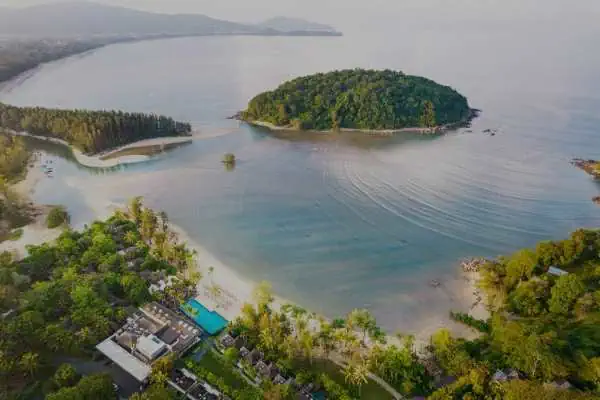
216, 365
369, 391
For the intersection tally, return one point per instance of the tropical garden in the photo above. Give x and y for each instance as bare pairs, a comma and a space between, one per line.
65, 297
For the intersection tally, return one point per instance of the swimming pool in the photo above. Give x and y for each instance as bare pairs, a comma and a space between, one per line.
210, 321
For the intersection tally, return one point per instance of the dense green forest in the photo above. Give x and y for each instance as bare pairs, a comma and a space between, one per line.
544, 327
66, 296
18, 56
90, 131
359, 99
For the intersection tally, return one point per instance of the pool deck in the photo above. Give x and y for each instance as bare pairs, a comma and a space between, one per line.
225, 303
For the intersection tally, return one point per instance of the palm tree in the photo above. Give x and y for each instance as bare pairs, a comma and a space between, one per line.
326, 338
356, 374
135, 209
149, 224
164, 220
30, 362
362, 319
267, 339
307, 343
131, 238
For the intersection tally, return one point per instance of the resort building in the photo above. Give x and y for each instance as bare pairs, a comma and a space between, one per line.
148, 335
557, 271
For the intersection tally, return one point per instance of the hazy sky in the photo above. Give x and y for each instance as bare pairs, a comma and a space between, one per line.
353, 13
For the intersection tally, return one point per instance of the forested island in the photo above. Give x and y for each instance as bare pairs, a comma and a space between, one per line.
90, 131
359, 99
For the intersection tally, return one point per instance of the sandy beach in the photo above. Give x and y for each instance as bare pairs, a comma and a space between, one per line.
36, 232
101, 161
418, 130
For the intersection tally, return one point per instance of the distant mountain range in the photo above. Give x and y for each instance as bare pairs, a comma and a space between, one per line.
85, 19
284, 24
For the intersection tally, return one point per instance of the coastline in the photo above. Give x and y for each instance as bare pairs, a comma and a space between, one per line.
36, 232
101, 160
436, 130
457, 292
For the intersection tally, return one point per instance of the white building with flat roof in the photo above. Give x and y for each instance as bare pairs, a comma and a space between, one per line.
151, 347
127, 361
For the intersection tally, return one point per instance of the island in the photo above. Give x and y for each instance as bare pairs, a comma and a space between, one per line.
90, 131
592, 167
359, 99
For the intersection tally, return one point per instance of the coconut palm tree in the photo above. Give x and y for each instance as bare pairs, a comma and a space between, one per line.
135, 209
356, 374
363, 320
30, 362
164, 221
267, 340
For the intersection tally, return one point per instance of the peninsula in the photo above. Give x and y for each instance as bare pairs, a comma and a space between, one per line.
90, 131
364, 100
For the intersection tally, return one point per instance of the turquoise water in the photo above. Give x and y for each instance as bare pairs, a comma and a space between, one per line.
345, 222
210, 321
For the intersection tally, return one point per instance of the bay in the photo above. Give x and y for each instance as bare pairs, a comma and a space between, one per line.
349, 221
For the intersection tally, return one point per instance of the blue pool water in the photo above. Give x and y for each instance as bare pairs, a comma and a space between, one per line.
210, 321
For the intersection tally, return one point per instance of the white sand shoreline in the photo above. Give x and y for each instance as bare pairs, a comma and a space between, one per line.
98, 161
419, 130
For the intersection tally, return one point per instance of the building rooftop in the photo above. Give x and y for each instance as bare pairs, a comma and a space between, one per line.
127, 361
148, 335
557, 271
150, 346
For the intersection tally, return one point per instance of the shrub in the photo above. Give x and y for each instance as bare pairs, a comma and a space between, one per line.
56, 217
474, 323
229, 158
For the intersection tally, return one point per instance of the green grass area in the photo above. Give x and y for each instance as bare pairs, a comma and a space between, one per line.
213, 363
369, 391
16, 234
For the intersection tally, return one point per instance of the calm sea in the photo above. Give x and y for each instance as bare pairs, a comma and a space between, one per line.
352, 221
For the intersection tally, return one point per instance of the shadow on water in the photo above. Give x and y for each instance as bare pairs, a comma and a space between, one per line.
359, 140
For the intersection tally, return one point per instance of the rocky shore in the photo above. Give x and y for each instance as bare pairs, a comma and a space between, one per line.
592, 167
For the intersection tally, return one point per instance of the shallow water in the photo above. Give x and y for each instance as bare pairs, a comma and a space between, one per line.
343, 222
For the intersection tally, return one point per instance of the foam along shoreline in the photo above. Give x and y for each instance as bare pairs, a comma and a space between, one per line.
103, 160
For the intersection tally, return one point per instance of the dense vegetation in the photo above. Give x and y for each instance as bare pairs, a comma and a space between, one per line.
18, 56
69, 295
14, 212
359, 99
57, 216
90, 131
13, 157
336, 355
544, 327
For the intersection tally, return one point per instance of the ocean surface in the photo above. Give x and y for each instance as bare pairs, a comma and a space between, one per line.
338, 222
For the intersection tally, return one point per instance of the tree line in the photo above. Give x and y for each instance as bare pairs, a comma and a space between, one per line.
90, 131
359, 99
